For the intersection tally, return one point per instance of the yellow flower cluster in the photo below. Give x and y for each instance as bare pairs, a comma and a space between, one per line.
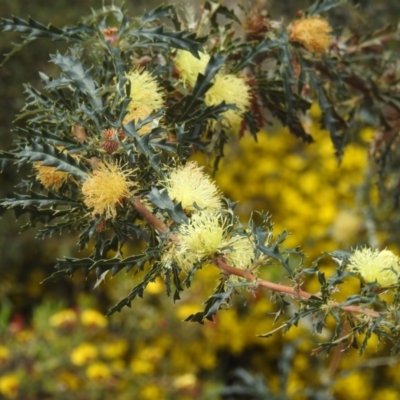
189, 67
205, 235
9, 386
375, 266
49, 177
106, 187
92, 318
4, 354
314, 33
98, 371
229, 88
84, 354
190, 186
146, 97
64, 318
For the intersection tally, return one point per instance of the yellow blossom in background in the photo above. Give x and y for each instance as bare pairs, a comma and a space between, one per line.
84, 354
189, 185
106, 187
183, 310
151, 392
116, 349
146, 97
145, 360
231, 89
118, 365
25, 335
155, 287
142, 367
93, 318
185, 381
4, 354
98, 371
314, 33
374, 266
189, 67
64, 318
69, 380
355, 386
49, 177
9, 385
346, 227
387, 394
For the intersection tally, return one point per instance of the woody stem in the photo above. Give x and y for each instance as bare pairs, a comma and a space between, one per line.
296, 293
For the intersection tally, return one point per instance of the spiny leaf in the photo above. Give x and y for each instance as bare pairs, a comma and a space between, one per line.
38, 200
31, 30
80, 78
180, 40
322, 6
138, 290
52, 157
203, 83
220, 298
162, 200
251, 53
162, 11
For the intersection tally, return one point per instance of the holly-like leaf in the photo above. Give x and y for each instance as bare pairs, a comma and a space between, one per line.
220, 298
180, 40
79, 77
163, 201
52, 157
138, 290
31, 30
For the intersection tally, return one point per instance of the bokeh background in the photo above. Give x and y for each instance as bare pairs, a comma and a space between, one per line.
55, 342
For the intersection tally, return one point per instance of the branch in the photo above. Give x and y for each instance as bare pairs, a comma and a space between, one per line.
149, 217
220, 263
296, 293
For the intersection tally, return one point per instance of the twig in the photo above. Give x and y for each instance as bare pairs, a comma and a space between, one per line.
295, 293
220, 263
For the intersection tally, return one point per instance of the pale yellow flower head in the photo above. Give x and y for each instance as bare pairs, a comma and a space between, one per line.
189, 184
233, 90
106, 187
189, 67
314, 33
139, 112
239, 252
146, 97
205, 235
49, 177
200, 238
374, 266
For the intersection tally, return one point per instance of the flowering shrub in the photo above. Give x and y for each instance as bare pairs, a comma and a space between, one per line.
133, 103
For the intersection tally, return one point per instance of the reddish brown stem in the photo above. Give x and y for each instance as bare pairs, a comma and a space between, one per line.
149, 217
220, 262
296, 293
